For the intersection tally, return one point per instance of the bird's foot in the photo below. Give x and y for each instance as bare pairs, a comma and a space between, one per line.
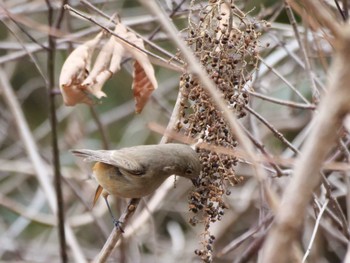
118, 225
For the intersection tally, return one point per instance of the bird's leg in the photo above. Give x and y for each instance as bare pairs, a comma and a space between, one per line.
116, 222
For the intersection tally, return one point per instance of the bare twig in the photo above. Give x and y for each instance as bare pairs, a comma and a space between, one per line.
253, 247
27, 52
283, 102
333, 108
18, 208
346, 9
335, 204
266, 222
161, 60
315, 230
291, 17
322, 15
195, 68
116, 233
34, 156
146, 40
158, 28
285, 81
271, 128
261, 147
342, 13
54, 136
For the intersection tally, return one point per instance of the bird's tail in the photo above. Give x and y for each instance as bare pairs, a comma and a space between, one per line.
89, 155
82, 152
97, 194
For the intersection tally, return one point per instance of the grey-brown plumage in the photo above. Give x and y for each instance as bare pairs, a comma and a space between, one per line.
138, 171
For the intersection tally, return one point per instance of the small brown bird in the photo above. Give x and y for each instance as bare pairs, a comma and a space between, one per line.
137, 171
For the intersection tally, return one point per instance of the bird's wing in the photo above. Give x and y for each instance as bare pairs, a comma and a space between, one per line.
126, 162
120, 158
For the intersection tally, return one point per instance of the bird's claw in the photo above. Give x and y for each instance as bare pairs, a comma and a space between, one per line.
118, 225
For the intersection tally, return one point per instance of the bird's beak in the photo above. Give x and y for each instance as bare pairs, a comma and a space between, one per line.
196, 182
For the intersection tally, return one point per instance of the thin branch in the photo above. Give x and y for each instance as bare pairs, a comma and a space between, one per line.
336, 206
346, 9
195, 68
322, 15
261, 147
291, 17
27, 52
101, 228
54, 135
161, 60
24, 31
271, 128
322, 138
313, 236
342, 13
253, 247
117, 232
33, 154
18, 208
146, 40
266, 222
177, 8
283, 102
285, 81
60, 43
173, 119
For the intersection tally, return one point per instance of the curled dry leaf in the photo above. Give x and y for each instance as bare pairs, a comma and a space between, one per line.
142, 87
107, 63
77, 83
74, 71
144, 80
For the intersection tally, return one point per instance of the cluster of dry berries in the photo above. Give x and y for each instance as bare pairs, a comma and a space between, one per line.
225, 42
206, 254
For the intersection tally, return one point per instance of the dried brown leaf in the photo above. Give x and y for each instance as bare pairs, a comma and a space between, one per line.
142, 87
76, 84
107, 63
144, 80
74, 71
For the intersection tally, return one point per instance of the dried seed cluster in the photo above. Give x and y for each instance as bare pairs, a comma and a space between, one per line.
225, 42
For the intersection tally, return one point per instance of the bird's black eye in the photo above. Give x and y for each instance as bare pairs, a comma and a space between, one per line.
189, 171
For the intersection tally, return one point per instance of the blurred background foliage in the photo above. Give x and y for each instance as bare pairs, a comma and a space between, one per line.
27, 224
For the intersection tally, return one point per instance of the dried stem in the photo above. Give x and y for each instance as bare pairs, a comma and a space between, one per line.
315, 230
324, 134
54, 136
283, 102
285, 81
195, 68
33, 154
117, 232
271, 128
161, 60
293, 22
